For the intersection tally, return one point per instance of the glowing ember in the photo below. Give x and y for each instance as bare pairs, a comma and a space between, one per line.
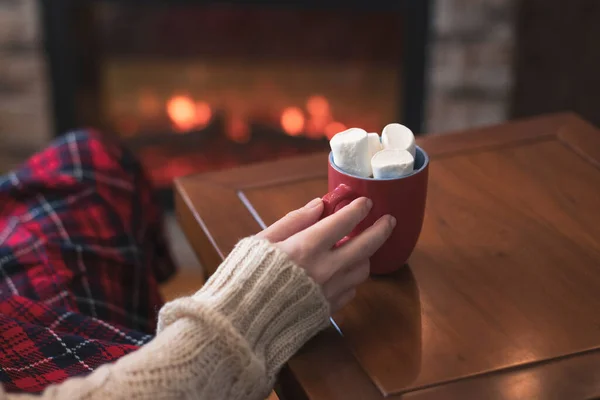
318, 107
237, 129
315, 127
320, 116
182, 111
203, 113
334, 127
292, 121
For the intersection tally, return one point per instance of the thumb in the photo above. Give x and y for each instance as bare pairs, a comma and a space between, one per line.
294, 222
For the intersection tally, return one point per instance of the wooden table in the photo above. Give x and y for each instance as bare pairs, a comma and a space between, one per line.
502, 296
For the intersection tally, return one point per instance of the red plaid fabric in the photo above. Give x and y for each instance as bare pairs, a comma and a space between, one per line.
81, 256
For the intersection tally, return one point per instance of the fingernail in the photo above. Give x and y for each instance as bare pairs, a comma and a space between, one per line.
392, 222
313, 203
369, 203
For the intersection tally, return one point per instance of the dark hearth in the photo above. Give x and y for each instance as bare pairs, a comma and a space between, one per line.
194, 86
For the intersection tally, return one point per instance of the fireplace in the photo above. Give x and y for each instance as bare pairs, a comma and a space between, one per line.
195, 86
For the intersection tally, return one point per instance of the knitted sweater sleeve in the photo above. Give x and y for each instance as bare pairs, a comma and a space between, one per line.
227, 341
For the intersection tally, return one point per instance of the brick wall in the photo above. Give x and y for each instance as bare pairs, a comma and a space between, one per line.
470, 76
24, 106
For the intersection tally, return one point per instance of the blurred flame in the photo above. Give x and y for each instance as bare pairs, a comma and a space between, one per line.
292, 121
315, 127
319, 111
334, 127
203, 113
318, 107
237, 129
182, 111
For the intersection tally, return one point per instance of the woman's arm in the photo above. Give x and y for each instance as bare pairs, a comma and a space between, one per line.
228, 341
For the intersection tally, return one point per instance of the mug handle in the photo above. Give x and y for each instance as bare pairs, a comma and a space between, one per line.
338, 198
335, 200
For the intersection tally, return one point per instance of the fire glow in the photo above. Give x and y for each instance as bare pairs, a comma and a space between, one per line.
186, 114
315, 123
315, 120
292, 121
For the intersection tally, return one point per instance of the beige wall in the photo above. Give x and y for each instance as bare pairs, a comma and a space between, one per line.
471, 72
24, 112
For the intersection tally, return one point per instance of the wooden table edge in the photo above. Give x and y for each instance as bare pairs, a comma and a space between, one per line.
204, 246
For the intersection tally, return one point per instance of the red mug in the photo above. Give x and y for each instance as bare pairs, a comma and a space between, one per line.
404, 198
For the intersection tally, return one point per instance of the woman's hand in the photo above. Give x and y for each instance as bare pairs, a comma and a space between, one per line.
309, 243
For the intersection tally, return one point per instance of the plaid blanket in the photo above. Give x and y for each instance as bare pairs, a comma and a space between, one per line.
81, 256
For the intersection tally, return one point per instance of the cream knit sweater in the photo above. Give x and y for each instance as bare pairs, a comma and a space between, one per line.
227, 341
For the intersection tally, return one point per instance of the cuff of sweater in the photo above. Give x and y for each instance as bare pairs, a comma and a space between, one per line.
269, 300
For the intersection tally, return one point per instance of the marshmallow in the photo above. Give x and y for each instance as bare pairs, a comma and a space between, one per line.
392, 163
350, 150
396, 136
374, 144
